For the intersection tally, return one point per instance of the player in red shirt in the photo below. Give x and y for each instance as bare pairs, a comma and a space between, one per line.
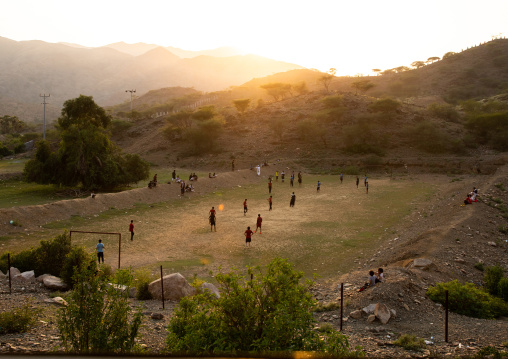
270, 202
258, 224
248, 236
245, 207
270, 185
131, 229
211, 219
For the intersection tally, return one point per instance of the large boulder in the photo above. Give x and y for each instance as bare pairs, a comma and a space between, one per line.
175, 287
40, 278
55, 283
28, 276
382, 313
209, 287
369, 309
2, 275
59, 301
422, 263
14, 272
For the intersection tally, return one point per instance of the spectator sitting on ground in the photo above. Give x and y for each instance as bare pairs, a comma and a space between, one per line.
467, 200
372, 278
178, 179
380, 276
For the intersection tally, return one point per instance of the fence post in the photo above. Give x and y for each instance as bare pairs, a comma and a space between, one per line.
446, 316
341, 304
162, 287
9, 270
119, 247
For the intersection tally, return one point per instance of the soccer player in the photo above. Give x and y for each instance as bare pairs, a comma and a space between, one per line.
258, 224
270, 202
248, 236
211, 218
245, 207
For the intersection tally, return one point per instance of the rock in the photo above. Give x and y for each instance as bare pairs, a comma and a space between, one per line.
175, 287
57, 301
55, 283
357, 314
157, 316
393, 313
369, 309
28, 276
492, 244
14, 272
422, 263
209, 287
40, 278
460, 260
132, 292
406, 307
382, 313
120, 287
371, 318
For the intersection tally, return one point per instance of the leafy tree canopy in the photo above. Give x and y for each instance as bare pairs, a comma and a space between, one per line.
85, 155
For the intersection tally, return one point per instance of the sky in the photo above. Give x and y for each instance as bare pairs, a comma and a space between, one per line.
353, 36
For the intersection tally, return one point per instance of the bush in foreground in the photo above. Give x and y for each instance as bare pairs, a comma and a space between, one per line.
18, 320
271, 312
468, 300
96, 319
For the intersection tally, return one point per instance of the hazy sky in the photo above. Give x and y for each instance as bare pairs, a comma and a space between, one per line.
353, 36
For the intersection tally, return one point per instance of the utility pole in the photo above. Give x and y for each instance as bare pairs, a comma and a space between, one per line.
44, 103
131, 91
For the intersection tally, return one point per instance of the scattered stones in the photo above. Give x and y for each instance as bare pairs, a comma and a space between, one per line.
157, 316
371, 318
460, 260
492, 244
357, 314
59, 301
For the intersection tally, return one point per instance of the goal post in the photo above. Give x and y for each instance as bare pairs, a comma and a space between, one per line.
108, 233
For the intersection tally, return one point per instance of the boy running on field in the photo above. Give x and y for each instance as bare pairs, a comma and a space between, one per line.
258, 224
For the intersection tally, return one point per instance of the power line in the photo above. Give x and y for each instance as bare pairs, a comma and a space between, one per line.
44, 103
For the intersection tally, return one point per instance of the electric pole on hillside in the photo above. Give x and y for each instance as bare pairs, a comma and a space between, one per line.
131, 91
44, 103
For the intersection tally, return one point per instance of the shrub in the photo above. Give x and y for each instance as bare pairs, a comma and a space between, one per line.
479, 266
75, 261
24, 260
142, 278
96, 319
468, 300
446, 112
332, 101
410, 342
271, 312
326, 307
386, 105
492, 277
50, 255
124, 277
18, 320
503, 288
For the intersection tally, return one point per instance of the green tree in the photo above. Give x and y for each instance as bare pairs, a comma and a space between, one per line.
204, 113
418, 64
433, 59
181, 119
327, 78
362, 85
85, 155
11, 124
376, 71
401, 69
449, 55
270, 311
96, 319
491, 279
204, 137
277, 90
241, 105
278, 126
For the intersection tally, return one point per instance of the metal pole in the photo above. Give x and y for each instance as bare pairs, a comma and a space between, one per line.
162, 288
131, 91
341, 304
119, 248
9, 269
446, 316
44, 103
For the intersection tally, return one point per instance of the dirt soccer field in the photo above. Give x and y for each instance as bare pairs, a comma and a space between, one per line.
325, 233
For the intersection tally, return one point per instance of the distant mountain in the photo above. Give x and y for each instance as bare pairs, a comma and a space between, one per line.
141, 48
29, 68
